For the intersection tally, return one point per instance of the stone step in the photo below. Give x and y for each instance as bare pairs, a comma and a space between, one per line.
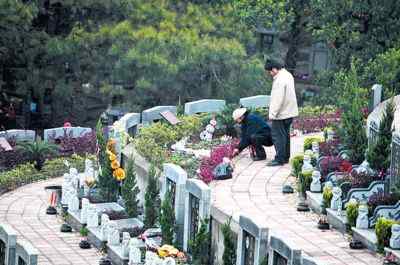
315, 201
367, 238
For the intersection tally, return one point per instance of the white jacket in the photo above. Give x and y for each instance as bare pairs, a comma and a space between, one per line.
283, 97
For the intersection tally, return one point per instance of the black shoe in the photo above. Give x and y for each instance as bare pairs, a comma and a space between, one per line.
274, 163
256, 158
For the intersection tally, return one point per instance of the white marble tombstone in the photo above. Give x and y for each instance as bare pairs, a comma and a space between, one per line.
113, 234
336, 202
92, 217
316, 182
362, 218
125, 244
150, 257
104, 226
395, 238
135, 256
73, 204
84, 210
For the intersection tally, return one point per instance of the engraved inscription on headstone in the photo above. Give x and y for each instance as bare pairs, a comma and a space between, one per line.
194, 203
249, 248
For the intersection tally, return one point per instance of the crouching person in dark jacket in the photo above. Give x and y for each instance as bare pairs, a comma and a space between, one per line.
256, 133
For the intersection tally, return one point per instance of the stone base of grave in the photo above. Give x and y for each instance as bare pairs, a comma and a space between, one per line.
336, 221
367, 237
395, 252
94, 237
315, 201
115, 254
74, 220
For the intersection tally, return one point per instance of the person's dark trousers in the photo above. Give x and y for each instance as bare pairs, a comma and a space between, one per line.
258, 141
281, 139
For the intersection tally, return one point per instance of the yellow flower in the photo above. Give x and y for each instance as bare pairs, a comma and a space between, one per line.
114, 164
111, 145
119, 174
112, 157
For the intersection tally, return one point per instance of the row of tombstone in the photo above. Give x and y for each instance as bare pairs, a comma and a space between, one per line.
14, 251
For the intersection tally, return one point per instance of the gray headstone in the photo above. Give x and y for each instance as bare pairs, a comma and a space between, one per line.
129, 122
152, 114
19, 135
249, 226
284, 249
9, 237
260, 101
61, 131
377, 89
204, 106
26, 252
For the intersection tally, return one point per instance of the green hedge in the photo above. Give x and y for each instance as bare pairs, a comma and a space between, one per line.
26, 173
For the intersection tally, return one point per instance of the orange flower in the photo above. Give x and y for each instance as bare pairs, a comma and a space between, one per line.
114, 164
111, 145
112, 157
119, 174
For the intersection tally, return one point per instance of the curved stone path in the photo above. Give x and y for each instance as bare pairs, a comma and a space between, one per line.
25, 210
257, 191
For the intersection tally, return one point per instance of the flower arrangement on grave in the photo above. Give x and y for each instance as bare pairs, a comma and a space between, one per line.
118, 172
207, 134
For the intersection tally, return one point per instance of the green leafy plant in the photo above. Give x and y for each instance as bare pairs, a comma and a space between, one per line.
309, 140
107, 184
229, 256
378, 154
327, 197
304, 182
383, 232
297, 163
152, 199
37, 151
352, 213
167, 219
130, 190
84, 231
199, 247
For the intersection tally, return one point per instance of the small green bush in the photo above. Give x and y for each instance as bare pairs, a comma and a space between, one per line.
27, 173
327, 197
352, 213
297, 163
383, 232
304, 182
309, 140
229, 256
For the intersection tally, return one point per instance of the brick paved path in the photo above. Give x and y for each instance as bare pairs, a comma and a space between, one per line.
25, 210
257, 191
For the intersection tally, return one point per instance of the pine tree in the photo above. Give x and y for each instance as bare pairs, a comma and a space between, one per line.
200, 246
229, 256
167, 220
130, 191
107, 184
378, 155
152, 199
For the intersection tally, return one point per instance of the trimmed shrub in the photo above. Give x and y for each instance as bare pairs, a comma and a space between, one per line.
352, 213
327, 197
383, 231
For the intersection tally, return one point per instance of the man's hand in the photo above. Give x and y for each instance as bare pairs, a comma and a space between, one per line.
235, 152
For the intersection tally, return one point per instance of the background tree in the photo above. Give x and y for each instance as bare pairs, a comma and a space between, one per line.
167, 219
152, 199
378, 154
130, 190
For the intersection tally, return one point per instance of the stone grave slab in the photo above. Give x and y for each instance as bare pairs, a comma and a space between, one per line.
153, 114
252, 241
315, 201
197, 208
387, 211
19, 135
130, 122
25, 252
94, 236
336, 221
174, 180
61, 131
204, 106
115, 253
260, 101
8, 237
281, 250
367, 238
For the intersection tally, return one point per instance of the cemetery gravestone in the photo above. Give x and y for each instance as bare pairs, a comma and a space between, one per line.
19, 135
281, 252
252, 242
197, 208
204, 106
26, 254
130, 122
74, 132
260, 101
8, 241
395, 161
153, 114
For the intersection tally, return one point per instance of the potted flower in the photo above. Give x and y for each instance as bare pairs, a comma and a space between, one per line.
65, 227
84, 244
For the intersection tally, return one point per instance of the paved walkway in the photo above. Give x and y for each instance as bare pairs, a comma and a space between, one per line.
25, 210
257, 191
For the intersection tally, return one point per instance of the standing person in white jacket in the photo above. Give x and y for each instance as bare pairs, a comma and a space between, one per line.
283, 108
